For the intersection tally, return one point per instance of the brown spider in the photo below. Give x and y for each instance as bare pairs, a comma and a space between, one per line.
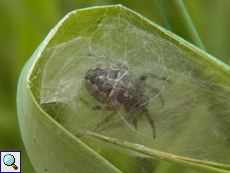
113, 85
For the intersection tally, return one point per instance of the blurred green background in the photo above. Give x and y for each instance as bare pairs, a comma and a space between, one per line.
24, 24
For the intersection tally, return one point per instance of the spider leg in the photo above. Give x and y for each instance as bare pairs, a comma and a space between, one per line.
107, 119
145, 76
111, 108
158, 93
150, 119
134, 121
108, 108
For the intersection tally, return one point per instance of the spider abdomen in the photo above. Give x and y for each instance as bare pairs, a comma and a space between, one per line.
106, 83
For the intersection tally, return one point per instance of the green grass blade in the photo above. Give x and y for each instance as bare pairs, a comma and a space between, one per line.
179, 21
199, 165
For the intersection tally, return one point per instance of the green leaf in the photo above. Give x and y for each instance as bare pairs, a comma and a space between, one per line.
193, 123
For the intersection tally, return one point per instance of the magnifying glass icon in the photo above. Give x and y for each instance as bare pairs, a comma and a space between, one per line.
9, 160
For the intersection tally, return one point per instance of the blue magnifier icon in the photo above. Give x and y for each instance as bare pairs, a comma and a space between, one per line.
9, 160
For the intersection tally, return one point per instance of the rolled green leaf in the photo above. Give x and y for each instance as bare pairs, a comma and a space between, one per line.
181, 88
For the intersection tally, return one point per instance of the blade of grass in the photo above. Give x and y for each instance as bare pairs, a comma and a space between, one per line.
199, 165
179, 21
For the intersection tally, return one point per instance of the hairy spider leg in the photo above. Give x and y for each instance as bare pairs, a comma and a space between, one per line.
133, 120
107, 119
145, 76
158, 93
150, 119
108, 108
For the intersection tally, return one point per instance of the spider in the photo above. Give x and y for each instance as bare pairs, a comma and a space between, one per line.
113, 85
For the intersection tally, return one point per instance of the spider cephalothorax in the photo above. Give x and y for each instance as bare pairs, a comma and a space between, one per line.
113, 85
